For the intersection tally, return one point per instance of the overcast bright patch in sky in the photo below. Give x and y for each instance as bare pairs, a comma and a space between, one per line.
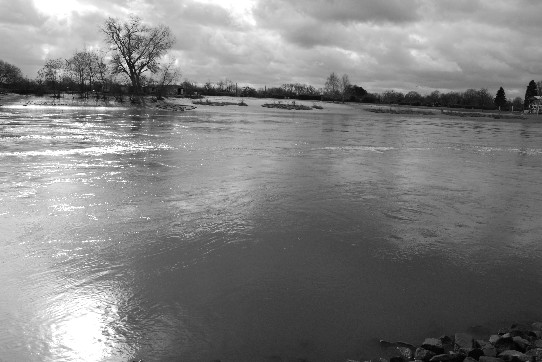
404, 45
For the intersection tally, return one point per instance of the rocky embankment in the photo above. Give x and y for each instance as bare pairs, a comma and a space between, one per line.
519, 343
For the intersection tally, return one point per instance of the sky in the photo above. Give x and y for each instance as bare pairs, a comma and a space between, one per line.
402, 45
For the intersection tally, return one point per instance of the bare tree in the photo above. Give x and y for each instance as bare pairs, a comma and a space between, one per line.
77, 66
168, 73
136, 47
52, 73
344, 86
331, 88
86, 66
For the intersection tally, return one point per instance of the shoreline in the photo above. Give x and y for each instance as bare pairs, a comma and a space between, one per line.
256, 105
521, 342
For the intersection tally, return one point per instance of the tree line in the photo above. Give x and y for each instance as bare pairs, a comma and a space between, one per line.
137, 60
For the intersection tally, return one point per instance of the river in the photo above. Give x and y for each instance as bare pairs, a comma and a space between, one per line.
258, 235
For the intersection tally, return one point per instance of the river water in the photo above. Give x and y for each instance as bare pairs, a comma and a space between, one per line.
246, 235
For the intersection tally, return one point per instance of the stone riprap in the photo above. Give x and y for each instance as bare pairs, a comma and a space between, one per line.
519, 343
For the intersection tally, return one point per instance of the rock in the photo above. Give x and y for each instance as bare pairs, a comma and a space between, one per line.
537, 326
537, 343
480, 343
489, 359
433, 345
475, 353
494, 338
423, 354
470, 359
521, 343
489, 351
463, 342
403, 352
505, 344
535, 353
448, 357
513, 355
447, 344
397, 349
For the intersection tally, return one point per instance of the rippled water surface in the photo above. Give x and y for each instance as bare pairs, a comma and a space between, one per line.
260, 236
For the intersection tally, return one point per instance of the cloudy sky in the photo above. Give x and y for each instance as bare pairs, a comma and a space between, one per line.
405, 45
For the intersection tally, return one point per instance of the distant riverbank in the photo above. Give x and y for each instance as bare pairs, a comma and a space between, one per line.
258, 105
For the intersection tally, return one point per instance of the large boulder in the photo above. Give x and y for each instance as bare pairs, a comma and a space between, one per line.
423, 354
490, 351
463, 342
505, 344
476, 353
521, 343
397, 349
494, 338
513, 355
433, 345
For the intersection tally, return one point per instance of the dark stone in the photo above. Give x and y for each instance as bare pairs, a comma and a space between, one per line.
519, 333
447, 344
490, 359
505, 344
490, 351
480, 343
494, 338
513, 355
521, 343
433, 345
537, 343
537, 326
423, 354
397, 349
470, 359
446, 340
463, 342
475, 353
448, 357
535, 353
403, 352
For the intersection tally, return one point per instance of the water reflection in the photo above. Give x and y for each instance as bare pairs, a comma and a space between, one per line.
258, 236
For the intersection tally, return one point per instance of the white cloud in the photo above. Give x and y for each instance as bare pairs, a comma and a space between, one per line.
415, 44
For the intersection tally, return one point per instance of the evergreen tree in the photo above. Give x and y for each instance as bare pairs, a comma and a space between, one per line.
500, 98
529, 93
